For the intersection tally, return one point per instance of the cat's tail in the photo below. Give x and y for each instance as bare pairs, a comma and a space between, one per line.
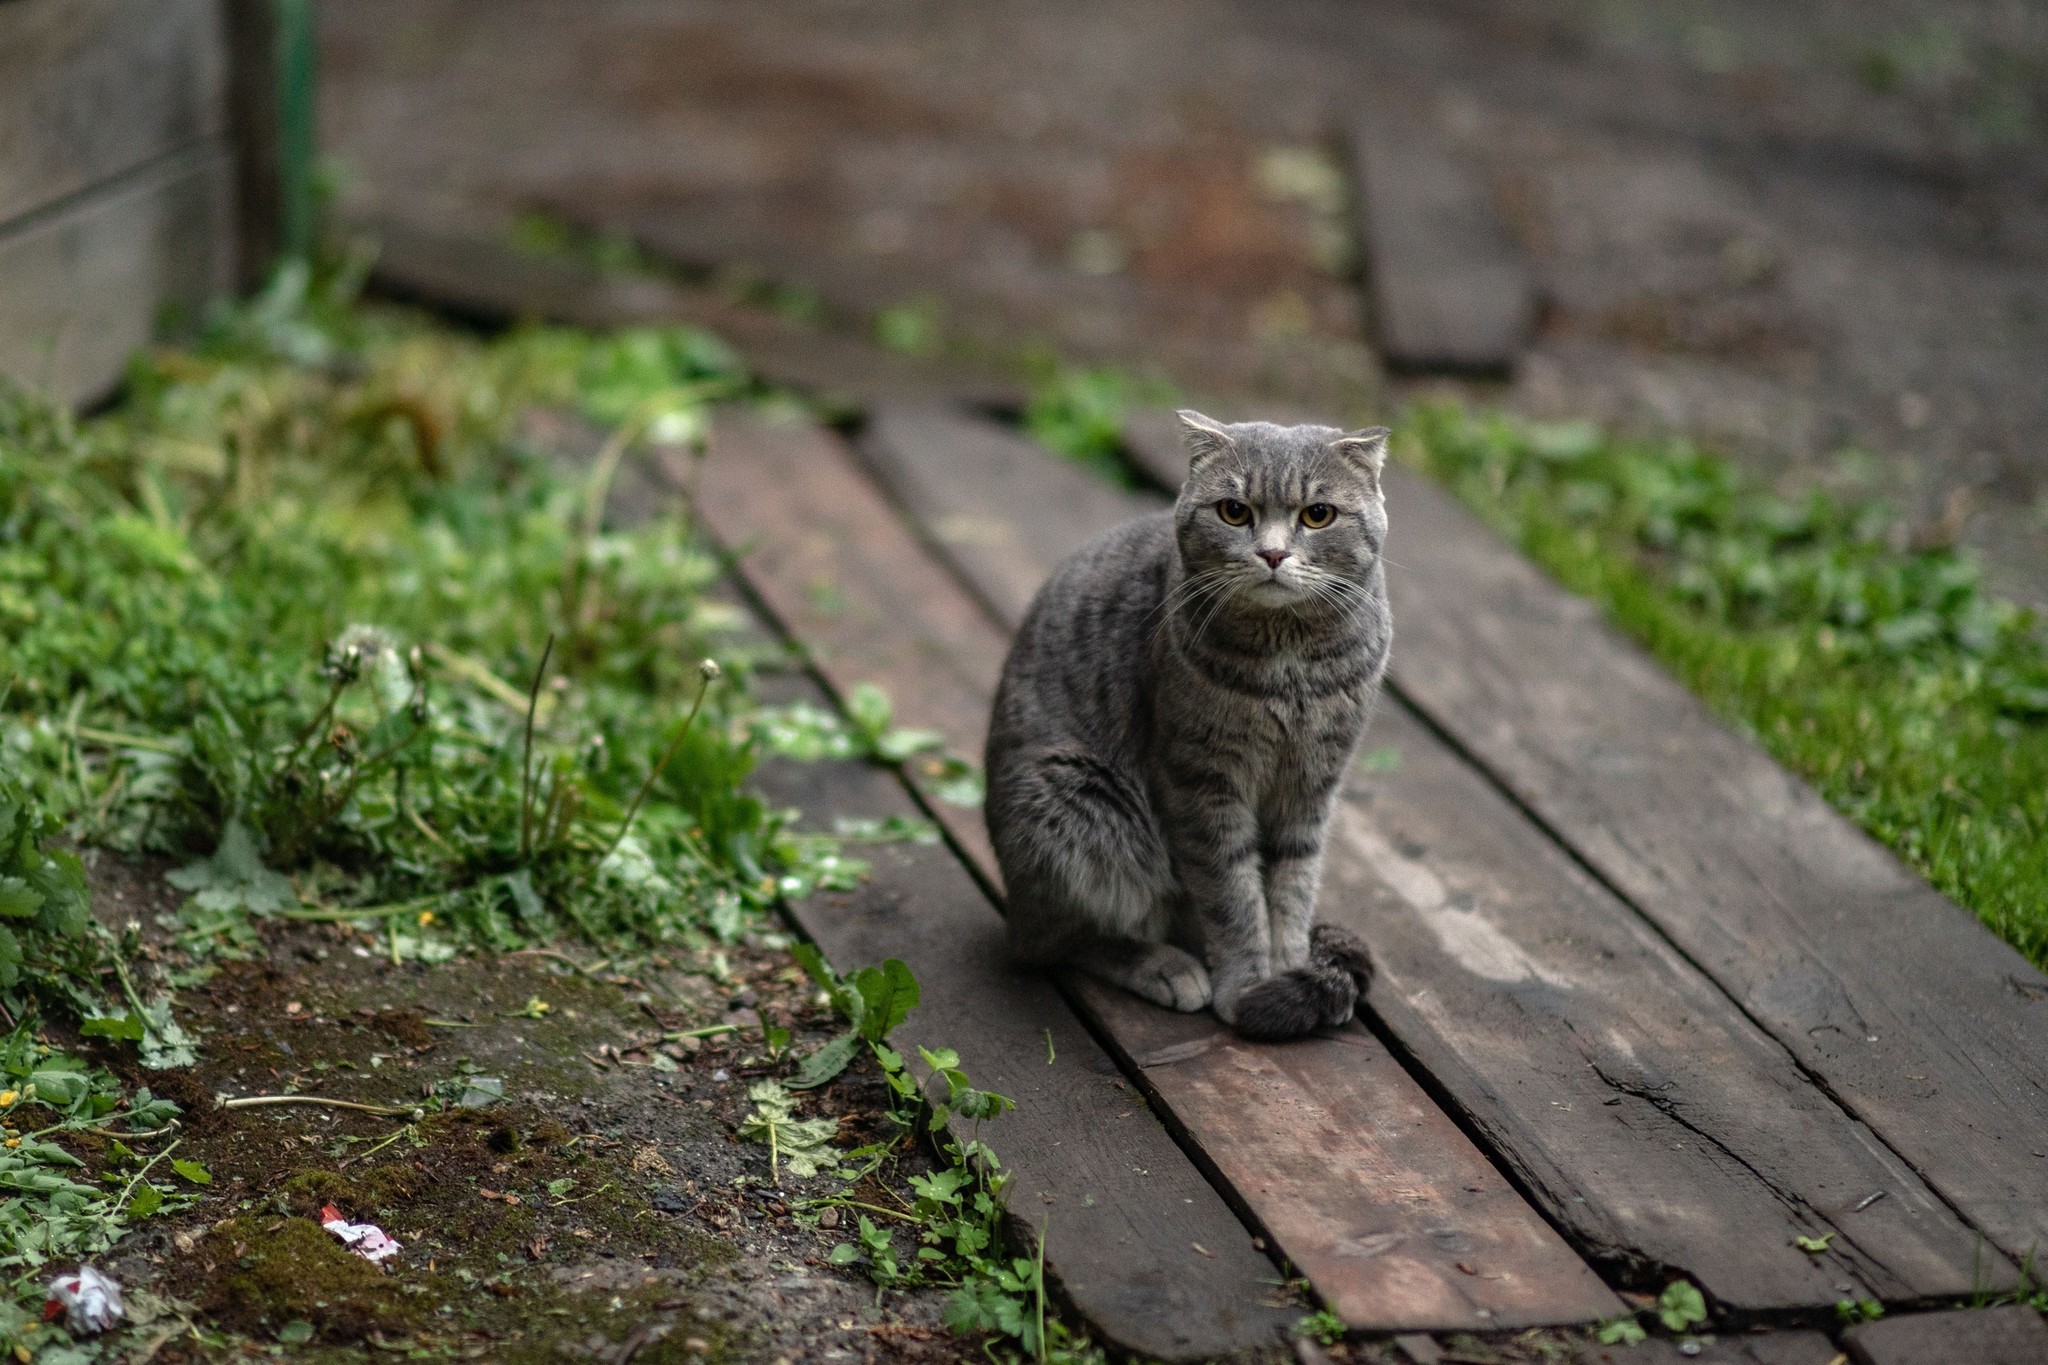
1318, 995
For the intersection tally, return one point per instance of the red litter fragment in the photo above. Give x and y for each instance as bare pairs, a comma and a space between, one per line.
89, 1301
366, 1240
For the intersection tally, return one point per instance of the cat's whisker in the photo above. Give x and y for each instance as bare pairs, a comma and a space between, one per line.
1187, 589
1216, 605
1190, 594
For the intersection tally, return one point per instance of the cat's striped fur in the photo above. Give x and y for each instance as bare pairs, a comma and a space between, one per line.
1174, 718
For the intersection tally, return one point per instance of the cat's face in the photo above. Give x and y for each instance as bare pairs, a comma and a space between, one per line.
1281, 517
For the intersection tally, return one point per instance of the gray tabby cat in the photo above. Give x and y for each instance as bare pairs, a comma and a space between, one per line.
1174, 718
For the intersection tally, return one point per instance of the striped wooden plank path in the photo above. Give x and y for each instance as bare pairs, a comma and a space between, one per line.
1328, 1147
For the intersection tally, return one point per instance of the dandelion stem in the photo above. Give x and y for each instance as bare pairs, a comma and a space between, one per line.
707, 673
526, 759
266, 1101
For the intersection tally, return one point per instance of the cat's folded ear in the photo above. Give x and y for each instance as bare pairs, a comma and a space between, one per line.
1364, 450
1205, 437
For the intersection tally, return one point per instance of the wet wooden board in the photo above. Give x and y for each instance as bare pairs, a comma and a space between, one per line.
90, 89
993, 503
2012, 1335
1448, 289
1917, 1019
1340, 1158
83, 289
1641, 1110
1135, 1237
1226, 1115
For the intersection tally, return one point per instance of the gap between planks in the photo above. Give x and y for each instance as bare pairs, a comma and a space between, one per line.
1365, 1185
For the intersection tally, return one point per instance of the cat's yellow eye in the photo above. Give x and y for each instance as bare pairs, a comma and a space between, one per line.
1317, 515
1233, 512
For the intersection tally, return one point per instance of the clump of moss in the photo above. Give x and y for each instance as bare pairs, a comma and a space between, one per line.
373, 1193
293, 1269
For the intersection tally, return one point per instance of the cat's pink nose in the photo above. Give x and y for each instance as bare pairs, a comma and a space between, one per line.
1273, 557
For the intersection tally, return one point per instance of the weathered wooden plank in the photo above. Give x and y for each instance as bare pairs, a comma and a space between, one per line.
1448, 289
1347, 1166
1226, 1115
83, 289
827, 555
2012, 1335
1136, 1238
1919, 1021
1642, 1111
994, 504
93, 88
490, 280
1638, 1106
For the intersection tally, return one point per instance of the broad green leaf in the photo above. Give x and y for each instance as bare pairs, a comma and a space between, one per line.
127, 1027
888, 994
18, 900
148, 1199
824, 1065
867, 706
525, 899
1681, 1305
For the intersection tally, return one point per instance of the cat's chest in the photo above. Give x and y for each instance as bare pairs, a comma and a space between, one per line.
1269, 708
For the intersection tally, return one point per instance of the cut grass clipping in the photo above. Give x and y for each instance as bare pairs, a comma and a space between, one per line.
1870, 660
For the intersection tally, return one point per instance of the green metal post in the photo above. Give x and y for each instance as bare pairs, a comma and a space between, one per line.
297, 53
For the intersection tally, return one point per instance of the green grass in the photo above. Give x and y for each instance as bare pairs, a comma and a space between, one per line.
1880, 670
1080, 414
282, 610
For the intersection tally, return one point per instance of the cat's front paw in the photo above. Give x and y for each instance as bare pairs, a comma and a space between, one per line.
1171, 977
1228, 985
